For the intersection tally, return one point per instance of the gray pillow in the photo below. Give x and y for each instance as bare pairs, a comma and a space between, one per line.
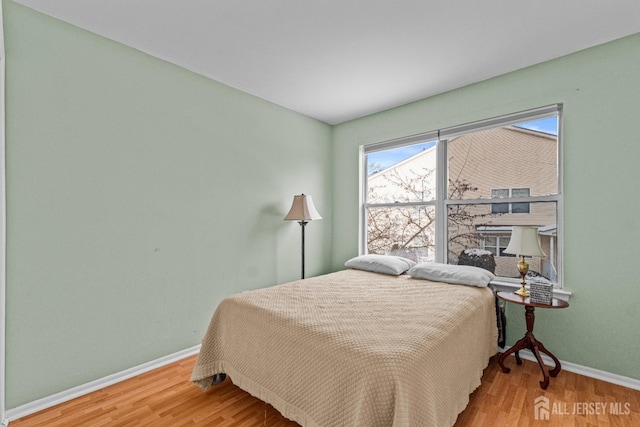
385, 264
457, 274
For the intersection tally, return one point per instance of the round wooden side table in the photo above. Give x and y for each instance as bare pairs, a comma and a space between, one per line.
529, 341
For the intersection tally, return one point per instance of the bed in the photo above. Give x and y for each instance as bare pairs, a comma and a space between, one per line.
354, 348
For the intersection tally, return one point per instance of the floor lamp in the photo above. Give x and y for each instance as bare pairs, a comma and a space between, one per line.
303, 211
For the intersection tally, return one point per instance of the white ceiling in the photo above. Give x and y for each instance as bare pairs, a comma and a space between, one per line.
336, 60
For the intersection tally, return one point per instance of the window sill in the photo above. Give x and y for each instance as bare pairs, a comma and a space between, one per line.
502, 285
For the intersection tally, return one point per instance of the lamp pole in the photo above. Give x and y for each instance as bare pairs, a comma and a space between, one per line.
302, 224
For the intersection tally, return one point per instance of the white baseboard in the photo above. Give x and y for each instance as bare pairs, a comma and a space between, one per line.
63, 396
583, 370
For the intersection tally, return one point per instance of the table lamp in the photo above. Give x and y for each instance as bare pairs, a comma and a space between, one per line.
524, 242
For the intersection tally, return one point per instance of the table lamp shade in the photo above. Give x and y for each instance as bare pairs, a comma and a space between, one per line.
524, 242
302, 209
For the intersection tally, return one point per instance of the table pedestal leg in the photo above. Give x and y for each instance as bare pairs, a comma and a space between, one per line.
529, 342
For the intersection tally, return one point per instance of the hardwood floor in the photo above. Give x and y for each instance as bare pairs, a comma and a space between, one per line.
573, 400
165, 397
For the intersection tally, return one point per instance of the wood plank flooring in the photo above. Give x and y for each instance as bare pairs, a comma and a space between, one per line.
165, 397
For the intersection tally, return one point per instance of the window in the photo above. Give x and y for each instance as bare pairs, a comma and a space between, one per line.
497, 244
429, 197
505, 193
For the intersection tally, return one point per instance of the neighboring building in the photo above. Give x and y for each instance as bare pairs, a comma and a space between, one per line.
480, 164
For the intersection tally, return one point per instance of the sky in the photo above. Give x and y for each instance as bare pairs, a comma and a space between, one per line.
383, 159
548, 125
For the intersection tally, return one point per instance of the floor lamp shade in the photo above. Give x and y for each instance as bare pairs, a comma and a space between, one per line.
303, 211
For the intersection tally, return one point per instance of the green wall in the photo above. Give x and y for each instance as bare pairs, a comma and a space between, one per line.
600, 91
138, 196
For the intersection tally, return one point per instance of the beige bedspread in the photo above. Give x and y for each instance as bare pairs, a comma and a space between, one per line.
354, 348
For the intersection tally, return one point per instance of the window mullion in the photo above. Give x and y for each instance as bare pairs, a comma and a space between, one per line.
399, 204
530, 199
441, 207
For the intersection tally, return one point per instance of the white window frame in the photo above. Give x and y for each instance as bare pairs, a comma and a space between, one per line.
442, 203
3, 229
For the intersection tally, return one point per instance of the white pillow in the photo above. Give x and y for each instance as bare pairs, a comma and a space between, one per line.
458, 274
385, 264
